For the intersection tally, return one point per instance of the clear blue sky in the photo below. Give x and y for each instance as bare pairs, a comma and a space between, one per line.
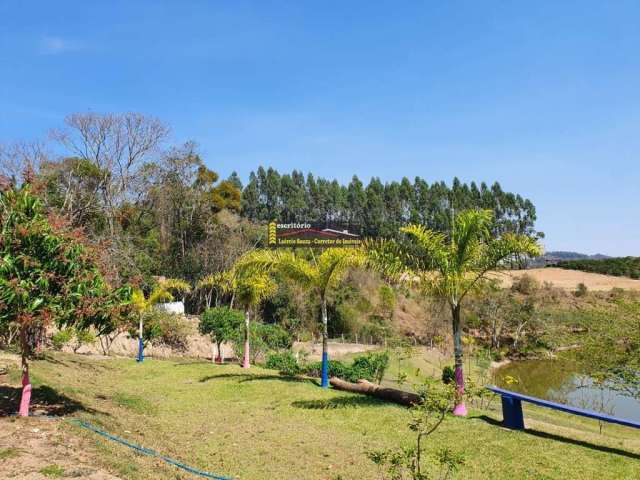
542, 96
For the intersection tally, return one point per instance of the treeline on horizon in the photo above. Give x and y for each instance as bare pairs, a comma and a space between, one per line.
619, 266
379, 209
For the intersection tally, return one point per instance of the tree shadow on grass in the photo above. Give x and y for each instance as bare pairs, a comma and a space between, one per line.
44, 401
560, 438
340, 402
251, 377
70, 362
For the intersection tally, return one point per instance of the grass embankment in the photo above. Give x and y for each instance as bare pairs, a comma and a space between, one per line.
257, 425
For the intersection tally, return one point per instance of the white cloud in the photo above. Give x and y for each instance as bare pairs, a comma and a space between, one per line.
56, 45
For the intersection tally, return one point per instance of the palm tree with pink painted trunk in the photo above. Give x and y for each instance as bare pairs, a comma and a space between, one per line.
48, 275
450, 265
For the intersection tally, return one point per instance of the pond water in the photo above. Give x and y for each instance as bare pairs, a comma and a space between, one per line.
561, 381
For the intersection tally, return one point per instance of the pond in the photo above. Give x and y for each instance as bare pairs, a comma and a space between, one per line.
561, 381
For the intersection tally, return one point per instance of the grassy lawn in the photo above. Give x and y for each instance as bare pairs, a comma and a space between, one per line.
258, 425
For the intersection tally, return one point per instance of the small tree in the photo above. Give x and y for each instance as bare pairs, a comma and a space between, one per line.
450, 265
409, 463
221, 323
47, 275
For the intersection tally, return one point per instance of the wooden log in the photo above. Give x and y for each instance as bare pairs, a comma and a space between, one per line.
367, 388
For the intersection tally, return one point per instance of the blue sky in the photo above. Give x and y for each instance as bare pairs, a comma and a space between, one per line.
543, 97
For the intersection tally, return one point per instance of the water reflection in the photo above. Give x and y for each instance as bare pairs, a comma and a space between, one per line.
562, 381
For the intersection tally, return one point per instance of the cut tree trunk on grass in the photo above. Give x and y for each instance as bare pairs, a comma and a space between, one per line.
367, 388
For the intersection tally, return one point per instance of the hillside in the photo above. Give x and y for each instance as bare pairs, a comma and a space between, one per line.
569, 279
621, 266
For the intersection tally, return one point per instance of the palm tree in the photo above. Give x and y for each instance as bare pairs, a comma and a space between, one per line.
318, 274
451, 265
220, 284
252, 288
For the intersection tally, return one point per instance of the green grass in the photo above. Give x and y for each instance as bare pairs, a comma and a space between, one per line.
7, 453
53, 471
257, 425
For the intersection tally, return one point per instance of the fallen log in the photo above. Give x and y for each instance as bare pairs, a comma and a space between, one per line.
367, 388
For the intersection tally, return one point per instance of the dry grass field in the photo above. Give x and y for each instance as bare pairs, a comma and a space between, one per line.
569, 279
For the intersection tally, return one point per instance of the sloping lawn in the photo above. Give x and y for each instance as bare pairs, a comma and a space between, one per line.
257, 425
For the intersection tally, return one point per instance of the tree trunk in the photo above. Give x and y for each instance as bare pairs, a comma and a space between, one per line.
219, 357
325, 346
245, 358
140, 340
388, 394
25, 401
460, 408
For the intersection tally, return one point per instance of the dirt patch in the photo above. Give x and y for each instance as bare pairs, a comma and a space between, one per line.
41, 446
31, 448
569, 279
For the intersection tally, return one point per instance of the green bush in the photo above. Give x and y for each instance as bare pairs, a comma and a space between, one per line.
61, 338
336, 369
83, 337
370, 366
581, 290
164, 328
284, 362
448, 374
526, 285
264, 338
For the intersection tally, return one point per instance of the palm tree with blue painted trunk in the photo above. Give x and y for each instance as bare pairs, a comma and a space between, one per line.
317, 274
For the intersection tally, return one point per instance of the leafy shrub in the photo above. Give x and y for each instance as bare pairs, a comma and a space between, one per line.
164, 328
284, 362
83, 337
61, 338
174, 331
448, 374
370, 366
264, 338
581, 290
336, 369
526, 285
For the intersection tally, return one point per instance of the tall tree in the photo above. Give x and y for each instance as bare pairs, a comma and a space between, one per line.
450, 265
117, 145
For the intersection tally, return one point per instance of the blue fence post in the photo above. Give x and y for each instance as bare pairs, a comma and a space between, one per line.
140, 349
325, 370
512, 413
